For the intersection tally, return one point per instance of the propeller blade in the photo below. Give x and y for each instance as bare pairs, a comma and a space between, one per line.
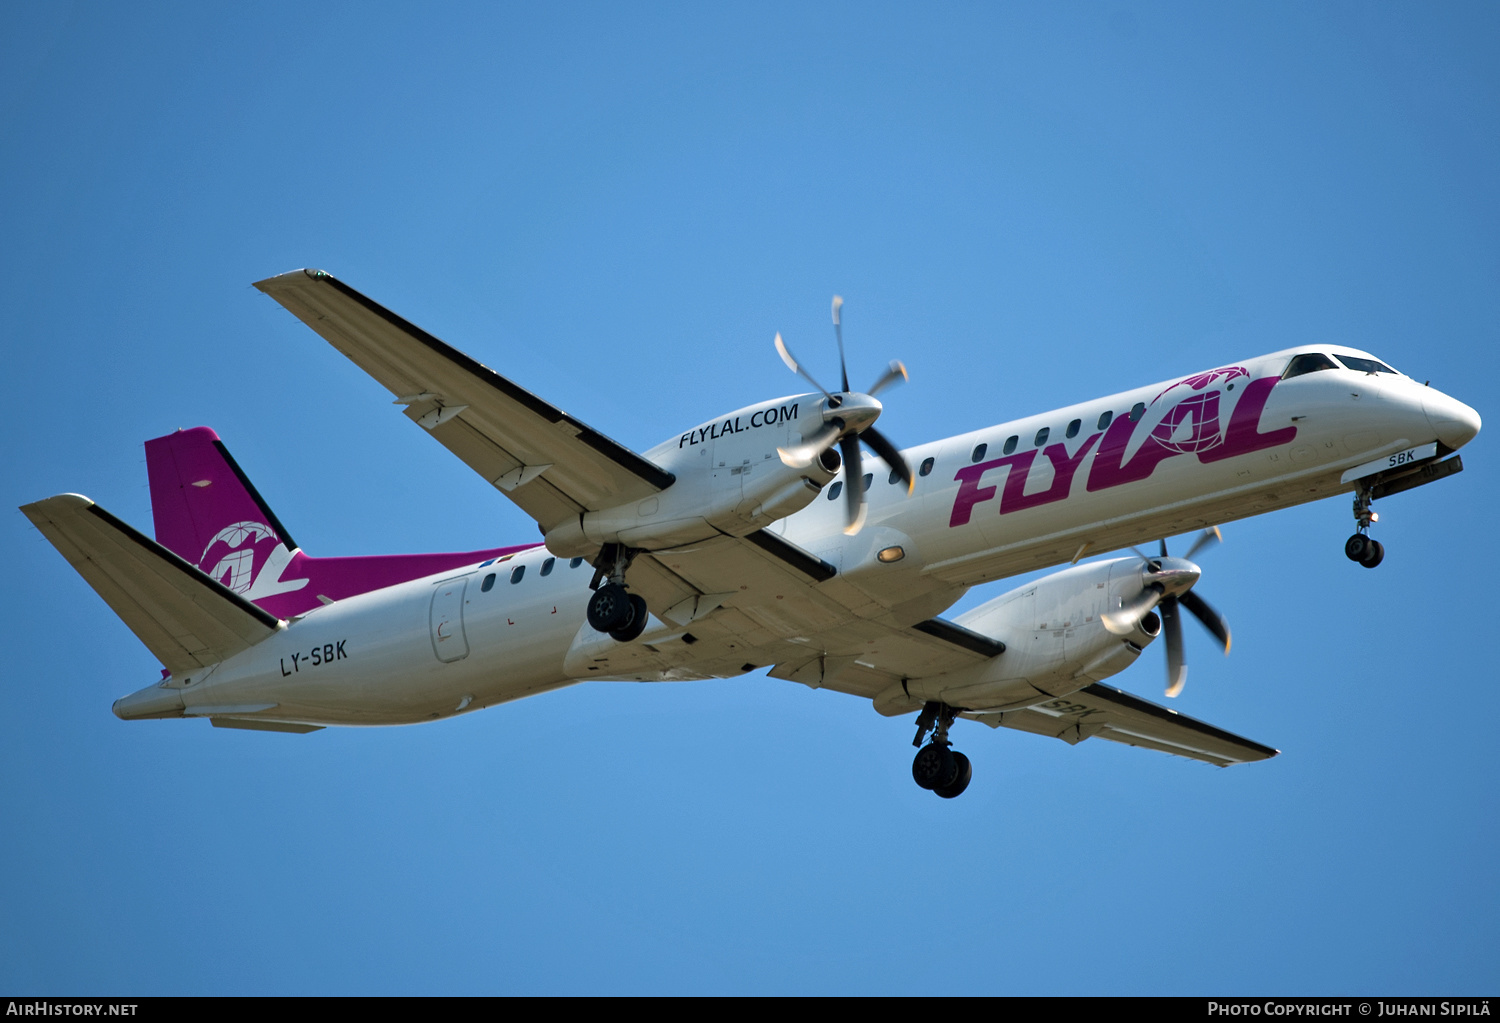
792, 364
799, 456
854, 483
1125, 618
894, 374
885, 449
1163, 547
1206, 539
1171, 630
1211, 619
838, 332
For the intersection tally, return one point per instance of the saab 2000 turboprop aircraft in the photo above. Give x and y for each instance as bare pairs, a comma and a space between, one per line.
760, 539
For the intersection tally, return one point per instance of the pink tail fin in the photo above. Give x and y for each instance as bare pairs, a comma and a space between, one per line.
199, 493
209, 513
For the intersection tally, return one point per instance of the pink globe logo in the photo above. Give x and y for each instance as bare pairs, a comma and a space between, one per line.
1196, 422
235, 566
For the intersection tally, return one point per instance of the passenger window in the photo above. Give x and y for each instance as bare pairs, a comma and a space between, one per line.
1010, 444
894, 476
979, 450
1073, 428
516, 574
547, 566
488, 584
574, 562
864, 484
1042, 435
926, 467
1308, 362
1136, 411
835, 490
1105, 418
1362, 365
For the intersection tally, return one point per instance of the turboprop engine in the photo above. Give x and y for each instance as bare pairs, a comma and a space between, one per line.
743, 471
1067, 631
730, 479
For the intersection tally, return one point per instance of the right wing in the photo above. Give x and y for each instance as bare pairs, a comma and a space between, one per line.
184, 617
1108, 713
543, 459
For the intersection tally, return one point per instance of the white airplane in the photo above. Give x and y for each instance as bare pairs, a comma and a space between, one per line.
762, 538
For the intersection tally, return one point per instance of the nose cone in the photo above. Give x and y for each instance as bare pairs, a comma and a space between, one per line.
856, 410
1454, 422
1176, 575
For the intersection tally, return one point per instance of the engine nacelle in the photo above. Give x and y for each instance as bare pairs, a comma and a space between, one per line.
1055, 643
730, 479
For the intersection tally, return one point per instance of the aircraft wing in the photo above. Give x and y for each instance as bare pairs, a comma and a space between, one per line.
1108, 713
543, 459
1096, 711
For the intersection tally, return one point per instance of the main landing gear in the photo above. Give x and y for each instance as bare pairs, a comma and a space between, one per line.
1360, 547
937, 767
612, 609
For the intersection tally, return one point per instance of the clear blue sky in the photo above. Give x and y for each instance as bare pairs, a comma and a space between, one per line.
617, 206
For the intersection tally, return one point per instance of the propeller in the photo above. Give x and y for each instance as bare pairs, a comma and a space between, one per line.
1169, 586
848, 419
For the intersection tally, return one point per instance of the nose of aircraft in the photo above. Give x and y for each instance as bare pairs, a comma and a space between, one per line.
1454, 422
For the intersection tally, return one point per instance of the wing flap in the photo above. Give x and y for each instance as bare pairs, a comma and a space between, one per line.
185, 618
492, 424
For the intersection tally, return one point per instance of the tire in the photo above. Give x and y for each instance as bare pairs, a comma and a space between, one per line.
1356, 546
609, 608
961, 780
934, 766
637, 623
1374, 554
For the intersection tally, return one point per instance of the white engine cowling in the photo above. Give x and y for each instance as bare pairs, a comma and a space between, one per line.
1055, 643
730, 479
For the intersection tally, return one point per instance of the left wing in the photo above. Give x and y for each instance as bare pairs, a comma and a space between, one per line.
1109, 713
543, 459
1096, 711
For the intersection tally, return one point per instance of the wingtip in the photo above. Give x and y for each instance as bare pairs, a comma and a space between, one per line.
289, 277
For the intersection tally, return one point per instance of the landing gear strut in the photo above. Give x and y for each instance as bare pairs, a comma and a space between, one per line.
1360, 547
937, 767
611, 608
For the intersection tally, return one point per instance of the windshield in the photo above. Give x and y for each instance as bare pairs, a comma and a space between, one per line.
1365, 365
1308, 362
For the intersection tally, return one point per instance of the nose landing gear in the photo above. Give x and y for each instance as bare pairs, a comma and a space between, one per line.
936, 766
1360, 547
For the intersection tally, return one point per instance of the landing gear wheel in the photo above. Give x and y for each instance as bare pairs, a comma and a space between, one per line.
637, 624
961, 781
609, 608
935, 766
1374, 554
1356, 547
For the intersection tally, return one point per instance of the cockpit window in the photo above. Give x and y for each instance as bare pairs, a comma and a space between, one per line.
1308, 362
1365, 365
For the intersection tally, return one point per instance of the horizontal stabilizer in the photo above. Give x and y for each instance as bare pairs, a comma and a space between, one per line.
184, 617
